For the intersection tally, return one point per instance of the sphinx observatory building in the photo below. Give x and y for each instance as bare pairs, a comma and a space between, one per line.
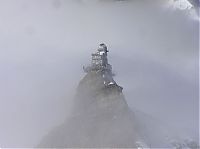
100, 65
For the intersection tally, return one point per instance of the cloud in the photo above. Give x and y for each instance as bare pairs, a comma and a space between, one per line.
44, 45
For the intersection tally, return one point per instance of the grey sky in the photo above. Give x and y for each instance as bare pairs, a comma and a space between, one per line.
45, 43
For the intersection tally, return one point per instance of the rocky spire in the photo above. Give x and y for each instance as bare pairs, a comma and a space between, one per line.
101, 118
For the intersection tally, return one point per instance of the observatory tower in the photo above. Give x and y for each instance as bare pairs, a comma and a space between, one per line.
99, 61
99, 64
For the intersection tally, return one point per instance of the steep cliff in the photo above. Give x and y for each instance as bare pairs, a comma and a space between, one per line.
100, 118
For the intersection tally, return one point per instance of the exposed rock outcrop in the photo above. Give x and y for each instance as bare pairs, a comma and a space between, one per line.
100, 117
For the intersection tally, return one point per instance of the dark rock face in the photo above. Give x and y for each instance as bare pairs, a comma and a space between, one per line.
100, 118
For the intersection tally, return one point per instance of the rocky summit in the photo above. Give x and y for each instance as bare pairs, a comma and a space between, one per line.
101, 118
100, 115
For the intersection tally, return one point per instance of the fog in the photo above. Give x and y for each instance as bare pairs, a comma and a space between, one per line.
45, 43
